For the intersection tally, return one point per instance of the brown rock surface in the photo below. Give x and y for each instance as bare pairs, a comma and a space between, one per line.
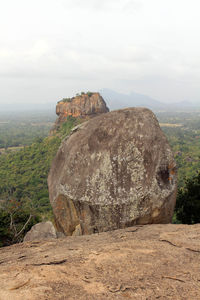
82, 106
142, 262
114, 171
41, 231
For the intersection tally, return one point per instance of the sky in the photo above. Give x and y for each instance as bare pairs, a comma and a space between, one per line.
51, 49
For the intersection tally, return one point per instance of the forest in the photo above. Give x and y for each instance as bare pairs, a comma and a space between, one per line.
27, 152
23, 182
183, 132
20, 129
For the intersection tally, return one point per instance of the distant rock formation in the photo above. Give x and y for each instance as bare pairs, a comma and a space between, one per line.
114, 171
86, 105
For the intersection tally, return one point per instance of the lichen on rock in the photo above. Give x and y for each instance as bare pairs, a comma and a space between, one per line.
115, 171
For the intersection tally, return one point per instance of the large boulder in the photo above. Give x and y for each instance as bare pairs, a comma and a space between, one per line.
114, 171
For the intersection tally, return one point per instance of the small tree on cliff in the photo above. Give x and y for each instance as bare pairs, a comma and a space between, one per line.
89, 93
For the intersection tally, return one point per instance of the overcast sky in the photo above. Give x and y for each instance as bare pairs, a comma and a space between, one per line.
50, 49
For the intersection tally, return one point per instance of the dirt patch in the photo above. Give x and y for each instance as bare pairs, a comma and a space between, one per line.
142, 262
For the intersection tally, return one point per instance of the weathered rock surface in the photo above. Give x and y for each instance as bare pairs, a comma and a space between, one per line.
83, 106
143, 262
114, 171
41, 231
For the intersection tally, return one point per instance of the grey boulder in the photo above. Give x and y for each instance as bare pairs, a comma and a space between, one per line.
114, 171
41, 231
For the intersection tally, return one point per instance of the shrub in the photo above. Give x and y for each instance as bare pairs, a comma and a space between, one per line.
89, 94
188, 202
16, 219
66, 100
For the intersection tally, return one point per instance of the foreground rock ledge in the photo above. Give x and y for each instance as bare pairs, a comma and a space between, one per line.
141, 262
114, 171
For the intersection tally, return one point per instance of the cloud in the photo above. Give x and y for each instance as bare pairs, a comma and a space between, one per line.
121, 44
103, 5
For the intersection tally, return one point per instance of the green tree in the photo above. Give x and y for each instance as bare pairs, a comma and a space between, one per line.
16, 218
89, 93
188, 202
23, 185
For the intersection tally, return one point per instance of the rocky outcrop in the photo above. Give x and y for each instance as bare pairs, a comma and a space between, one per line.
83, 106
114, 171
41, 231
142, 262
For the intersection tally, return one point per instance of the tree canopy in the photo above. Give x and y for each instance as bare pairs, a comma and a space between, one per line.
188, 202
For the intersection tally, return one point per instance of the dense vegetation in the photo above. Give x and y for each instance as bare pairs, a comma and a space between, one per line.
16, 218
183, 132
23, 180
188, 202
17, 129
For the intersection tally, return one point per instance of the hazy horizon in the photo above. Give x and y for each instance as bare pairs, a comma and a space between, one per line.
113, 99
57, 48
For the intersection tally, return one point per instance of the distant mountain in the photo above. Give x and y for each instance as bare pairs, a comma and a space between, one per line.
113, 99
186, 104
118, 100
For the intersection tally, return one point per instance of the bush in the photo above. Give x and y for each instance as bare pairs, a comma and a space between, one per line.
5, 234
66, 100
188, 202
16, 219
89, 94
68, 125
